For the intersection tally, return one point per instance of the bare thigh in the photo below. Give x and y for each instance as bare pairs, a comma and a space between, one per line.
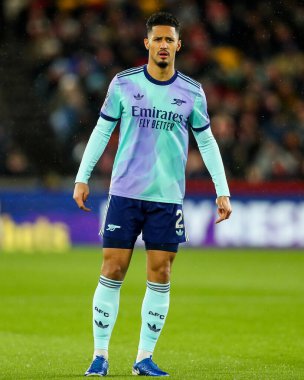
159, 265
116, 263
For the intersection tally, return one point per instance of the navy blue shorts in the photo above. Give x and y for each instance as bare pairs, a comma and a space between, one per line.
161, 224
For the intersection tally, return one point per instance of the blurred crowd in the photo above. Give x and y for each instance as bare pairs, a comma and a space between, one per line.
247, 55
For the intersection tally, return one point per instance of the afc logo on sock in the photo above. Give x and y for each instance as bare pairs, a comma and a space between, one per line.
161, 316
102, 312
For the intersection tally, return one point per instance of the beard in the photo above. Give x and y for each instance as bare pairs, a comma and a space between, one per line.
162, 64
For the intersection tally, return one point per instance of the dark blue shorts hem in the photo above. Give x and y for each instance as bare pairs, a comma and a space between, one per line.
170, 247
127, 244
115, 243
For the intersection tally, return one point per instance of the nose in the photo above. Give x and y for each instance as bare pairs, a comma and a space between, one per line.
163, 44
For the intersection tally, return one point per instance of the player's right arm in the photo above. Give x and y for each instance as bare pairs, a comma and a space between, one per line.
81, 193
109, 115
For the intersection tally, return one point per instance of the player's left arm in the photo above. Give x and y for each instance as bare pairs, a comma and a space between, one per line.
224, 208
212, 158
208, 147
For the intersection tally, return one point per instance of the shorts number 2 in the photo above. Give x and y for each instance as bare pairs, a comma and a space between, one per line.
179, 214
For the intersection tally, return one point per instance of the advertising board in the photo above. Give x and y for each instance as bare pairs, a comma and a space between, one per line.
35, 221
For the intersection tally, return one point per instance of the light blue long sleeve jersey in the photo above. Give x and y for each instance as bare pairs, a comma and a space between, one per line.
153, 141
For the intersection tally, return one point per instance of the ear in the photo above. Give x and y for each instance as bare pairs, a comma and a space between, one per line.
179, 45
146, 43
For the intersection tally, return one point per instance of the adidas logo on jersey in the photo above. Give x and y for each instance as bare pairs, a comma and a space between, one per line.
100, 324
138, 96
179, 232
153, 328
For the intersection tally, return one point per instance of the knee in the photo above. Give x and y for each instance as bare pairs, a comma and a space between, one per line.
113, 271
161, 273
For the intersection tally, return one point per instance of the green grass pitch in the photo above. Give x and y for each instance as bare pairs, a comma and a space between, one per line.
234, 314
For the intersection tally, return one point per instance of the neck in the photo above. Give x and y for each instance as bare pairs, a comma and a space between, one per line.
158, 73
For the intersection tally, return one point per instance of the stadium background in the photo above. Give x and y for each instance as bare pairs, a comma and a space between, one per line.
236, 313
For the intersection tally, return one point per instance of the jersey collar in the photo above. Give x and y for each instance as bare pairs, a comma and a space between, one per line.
159, 82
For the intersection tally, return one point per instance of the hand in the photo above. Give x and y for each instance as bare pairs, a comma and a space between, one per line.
223, 208
81, 193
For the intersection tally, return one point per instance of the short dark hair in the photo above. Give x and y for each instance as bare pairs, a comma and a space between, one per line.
163, 18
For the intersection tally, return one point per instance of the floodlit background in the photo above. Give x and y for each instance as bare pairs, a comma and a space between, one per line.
56, 61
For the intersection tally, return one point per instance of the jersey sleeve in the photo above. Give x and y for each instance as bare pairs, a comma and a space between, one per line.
213, 160
95, 147
199, 118
200, 125
112, 107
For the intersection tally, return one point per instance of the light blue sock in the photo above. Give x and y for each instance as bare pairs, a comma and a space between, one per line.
105, 310
153, 313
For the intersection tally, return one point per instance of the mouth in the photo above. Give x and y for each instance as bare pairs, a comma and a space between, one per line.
163, 54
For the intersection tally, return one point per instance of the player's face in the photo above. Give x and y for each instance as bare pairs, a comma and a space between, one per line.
163, 43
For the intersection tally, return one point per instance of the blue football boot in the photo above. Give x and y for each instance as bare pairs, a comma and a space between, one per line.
147, 367
99, 367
